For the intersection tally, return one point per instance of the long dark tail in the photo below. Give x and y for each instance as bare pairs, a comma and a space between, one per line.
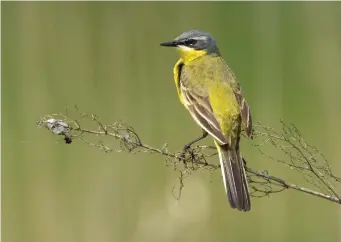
235, 182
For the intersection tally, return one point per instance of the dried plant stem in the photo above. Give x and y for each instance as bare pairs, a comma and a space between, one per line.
301, 157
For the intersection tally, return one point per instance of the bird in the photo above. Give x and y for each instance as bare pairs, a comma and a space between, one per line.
208, 89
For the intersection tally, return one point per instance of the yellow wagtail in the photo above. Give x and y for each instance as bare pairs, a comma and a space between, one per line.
208, 89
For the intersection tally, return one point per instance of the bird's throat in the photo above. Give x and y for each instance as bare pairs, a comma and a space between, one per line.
187, 54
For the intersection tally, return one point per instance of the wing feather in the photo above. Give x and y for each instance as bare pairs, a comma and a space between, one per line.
245, 112
244, 107
201, 111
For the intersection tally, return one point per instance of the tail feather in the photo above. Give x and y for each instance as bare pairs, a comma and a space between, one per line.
235, 182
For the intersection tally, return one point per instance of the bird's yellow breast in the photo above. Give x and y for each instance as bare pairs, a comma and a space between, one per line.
177, 75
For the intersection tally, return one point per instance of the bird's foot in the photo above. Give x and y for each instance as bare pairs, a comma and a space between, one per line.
187, 150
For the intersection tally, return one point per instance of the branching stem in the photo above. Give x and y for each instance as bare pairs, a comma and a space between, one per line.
301, 157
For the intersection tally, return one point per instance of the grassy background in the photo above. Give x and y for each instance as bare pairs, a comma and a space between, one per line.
105, 57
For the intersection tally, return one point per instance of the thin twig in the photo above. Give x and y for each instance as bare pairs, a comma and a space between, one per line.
301, 157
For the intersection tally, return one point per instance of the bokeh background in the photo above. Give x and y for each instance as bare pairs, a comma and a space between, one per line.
105, 57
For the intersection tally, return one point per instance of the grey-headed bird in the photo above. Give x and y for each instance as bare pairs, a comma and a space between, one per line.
208, 89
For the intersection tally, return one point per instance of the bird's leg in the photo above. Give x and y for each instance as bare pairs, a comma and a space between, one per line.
187, 147
203, 136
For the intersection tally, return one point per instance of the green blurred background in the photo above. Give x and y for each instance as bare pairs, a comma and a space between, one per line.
105, 57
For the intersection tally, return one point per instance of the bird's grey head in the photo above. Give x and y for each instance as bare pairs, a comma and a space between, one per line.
195, 39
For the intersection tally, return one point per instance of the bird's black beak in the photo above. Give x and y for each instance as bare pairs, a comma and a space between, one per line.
172, 43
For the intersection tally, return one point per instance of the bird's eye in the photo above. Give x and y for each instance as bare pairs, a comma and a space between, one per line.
190, 42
